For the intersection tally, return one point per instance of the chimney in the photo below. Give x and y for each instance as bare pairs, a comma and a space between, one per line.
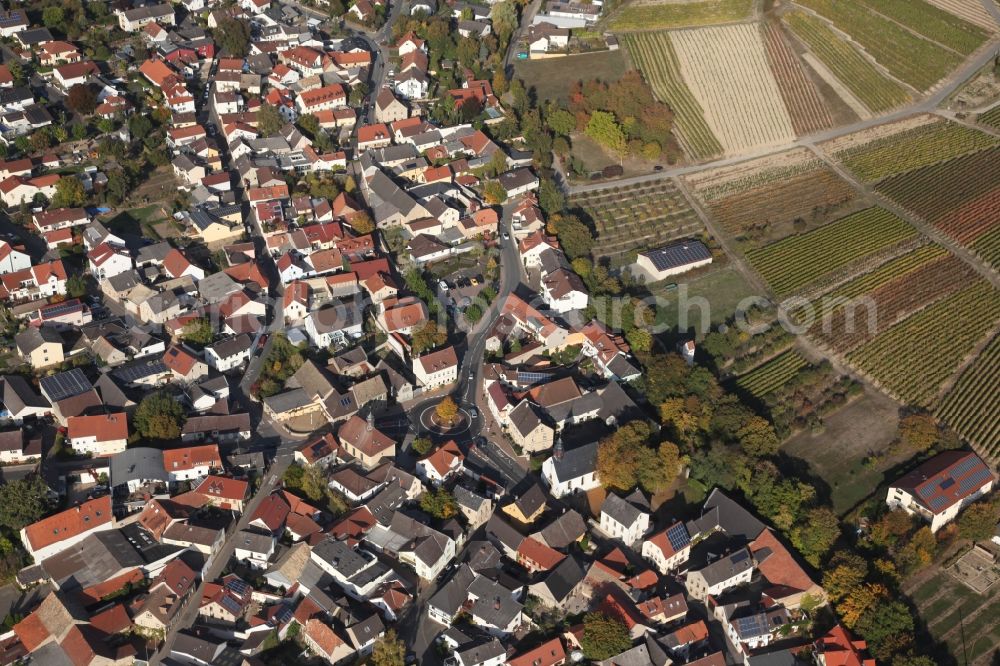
557, 450
371, 422
496, 604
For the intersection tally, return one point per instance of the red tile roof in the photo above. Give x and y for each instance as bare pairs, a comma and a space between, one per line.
179, 360
779, 567
70, 523
224, 488
546, 654
444, 458
538, 555
272, 512
839, 649
105, 427
946, 479
192, 456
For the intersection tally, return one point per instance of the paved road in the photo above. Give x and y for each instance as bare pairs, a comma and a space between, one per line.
928, 104
190, 611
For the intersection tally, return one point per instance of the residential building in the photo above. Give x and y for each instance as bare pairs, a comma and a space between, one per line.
101, 435
941, 487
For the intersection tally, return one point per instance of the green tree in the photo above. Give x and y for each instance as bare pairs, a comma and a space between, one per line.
605, 130
604, 637
574, 236
561, 122
888, 628
422, 446
23, 502
814, 536
54, 17
620, 455
69, 193
640, 339
550, 197
233, 36
428, 336
918, 432
76, 286
389, 650
978, 522
159, 416
504, 18
494, 193
446, 410
198, 331
757, 438
657, 470
139, 126
82, 99
473, 313
362, 222
269, 120
439, 503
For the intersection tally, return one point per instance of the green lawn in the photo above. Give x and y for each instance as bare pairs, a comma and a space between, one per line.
135, 221
722, 289
551, 78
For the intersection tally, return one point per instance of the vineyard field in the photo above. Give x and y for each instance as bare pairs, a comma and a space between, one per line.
654, 55
658, 16
637, 217
799, 261
972, 405
881, 308
877, 92
917, 62
805, 106
747, 175
988, 247
968, 10
933, 23
916, 356
771, 375
772, 212
726, 69
960, 196
991, 118
912, 149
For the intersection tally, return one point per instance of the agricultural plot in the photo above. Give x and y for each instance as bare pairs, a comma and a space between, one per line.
726, 69
805, 106
773, 374
916, 356
988, 247
972, 405
971, 11
808, 260
637, 217
960, 196
959, 617
879, 309
933, 23
913, 148
772, 212
659, 15
991, 118
654, 55
911, 59
861, 79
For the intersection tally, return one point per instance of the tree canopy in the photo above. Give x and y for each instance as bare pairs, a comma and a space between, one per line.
439, 503
604, 637
159, 416
233, 36
389, 650
23, 501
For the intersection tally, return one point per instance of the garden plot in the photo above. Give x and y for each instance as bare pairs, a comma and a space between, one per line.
726, 69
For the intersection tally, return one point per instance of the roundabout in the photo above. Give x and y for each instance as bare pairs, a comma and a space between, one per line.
431, 423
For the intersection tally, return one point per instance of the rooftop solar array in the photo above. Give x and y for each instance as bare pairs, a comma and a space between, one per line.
678, 254
238, 586
65, 385
136, 371
753, 625
533, 377
974, 480
678, 536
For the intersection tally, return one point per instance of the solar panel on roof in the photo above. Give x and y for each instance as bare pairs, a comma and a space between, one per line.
965, 466
137, 371
532, 377
753, 625
65, 385
678, 254
947, 483
974, 480
938, 502
678, 536
238, 586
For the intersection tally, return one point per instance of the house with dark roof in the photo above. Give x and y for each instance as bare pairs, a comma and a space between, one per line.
527, 505
726, 572
571, 471
625, 518
941, 487
674, 259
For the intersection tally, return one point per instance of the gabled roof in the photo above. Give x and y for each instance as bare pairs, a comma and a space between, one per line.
946, 479
103, 427
70, 523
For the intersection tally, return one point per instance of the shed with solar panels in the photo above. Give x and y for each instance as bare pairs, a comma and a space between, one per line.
941, 487
662, 262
